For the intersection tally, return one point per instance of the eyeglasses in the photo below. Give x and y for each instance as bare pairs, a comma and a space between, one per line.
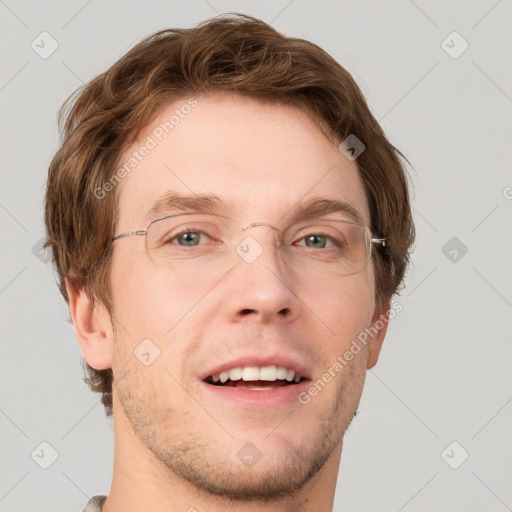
205, 242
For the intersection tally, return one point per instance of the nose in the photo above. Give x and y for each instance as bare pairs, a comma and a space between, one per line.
261, 286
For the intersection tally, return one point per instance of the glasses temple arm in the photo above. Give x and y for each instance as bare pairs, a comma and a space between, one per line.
381, 241
139, 232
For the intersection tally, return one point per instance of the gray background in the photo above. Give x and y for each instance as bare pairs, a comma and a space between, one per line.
444, 374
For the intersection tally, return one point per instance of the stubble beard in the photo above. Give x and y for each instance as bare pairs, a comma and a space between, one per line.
169, 436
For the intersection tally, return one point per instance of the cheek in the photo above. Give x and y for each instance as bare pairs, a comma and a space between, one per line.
346, 307
148, 301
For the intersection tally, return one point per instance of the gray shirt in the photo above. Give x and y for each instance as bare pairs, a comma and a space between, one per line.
94, 504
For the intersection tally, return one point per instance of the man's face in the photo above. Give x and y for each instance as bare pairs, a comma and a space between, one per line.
261, 161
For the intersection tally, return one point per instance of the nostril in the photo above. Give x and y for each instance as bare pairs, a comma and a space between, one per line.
247, 311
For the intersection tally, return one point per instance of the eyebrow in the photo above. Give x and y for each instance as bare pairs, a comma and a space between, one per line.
174, 201
310, 209
320, 206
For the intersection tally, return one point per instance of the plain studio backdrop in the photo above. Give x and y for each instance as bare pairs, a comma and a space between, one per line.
433, 429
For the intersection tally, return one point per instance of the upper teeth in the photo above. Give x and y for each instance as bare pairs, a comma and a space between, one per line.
250, 373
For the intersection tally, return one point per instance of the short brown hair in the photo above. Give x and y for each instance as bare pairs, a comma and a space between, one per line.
235, 54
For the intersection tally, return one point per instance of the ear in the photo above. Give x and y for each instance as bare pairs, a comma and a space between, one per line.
93, 327
380, 322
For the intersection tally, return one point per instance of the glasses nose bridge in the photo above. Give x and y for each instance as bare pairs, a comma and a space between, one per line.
260, 224
256, 224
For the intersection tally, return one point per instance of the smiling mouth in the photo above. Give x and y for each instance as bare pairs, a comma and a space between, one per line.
256, 385
256, 378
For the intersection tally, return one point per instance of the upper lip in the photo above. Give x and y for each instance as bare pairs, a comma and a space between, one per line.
259, 360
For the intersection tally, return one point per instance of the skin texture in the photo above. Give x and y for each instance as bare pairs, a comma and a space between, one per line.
175, 445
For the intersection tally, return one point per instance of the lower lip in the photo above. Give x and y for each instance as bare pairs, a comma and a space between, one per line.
258, 399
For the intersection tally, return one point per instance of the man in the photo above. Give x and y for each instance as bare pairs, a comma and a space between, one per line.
229, 224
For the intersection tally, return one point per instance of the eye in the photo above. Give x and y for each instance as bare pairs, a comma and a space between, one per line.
318, 241
188, 238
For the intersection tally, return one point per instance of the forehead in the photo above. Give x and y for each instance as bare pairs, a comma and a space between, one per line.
261, 160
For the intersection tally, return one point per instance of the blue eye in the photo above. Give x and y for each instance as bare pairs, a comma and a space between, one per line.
188, 238
316, 241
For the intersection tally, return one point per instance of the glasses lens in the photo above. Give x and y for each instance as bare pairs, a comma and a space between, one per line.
177, 239
333, 247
